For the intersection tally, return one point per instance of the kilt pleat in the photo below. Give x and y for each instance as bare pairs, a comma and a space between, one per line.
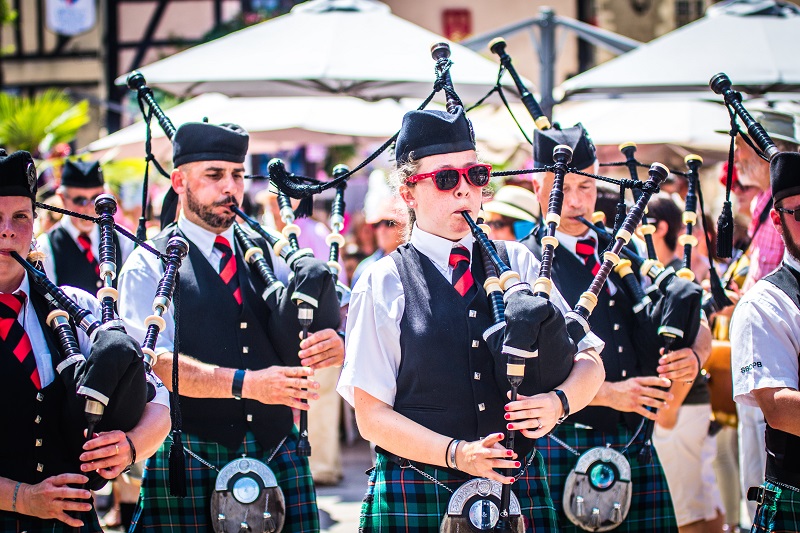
651, 504
402, 500
16, 523
780, 513
158, 511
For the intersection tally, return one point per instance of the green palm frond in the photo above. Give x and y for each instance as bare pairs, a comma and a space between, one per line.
37, 123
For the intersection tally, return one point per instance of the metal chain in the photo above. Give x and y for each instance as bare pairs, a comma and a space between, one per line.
575, 452
212, 467
431, 478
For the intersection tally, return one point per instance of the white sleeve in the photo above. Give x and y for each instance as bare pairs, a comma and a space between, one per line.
137, 285
763, 346
372, 341
525, 263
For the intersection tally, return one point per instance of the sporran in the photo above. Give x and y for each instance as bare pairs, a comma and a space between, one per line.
247, 498
597, 493
475, 507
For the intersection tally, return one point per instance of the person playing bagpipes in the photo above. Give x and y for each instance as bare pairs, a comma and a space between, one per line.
428, 388
765, 342
237, 388
70, 249
636, 373
45, 459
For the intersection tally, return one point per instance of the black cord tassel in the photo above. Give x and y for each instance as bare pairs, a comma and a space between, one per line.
305, 208
725, 231
177, 457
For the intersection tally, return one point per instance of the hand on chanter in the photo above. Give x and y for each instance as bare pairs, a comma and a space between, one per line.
322, 349
53, 497
481, 458
284, 385
680, 365
535, 416
636, 394
108, 453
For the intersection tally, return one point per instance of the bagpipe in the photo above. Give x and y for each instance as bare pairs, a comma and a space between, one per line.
756, 137
108, 390
311, 300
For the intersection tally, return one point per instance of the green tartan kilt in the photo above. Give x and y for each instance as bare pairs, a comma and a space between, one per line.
17, 523
779, 513
400, 499
159, 512
651, 504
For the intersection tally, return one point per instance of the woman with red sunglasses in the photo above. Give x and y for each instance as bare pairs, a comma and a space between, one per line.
418, 371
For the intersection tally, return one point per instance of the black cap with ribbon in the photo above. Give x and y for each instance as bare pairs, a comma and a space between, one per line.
784, 175
17, 175
82, 174
584, 153
426, 133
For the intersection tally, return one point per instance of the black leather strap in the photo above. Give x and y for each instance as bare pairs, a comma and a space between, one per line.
238, 383
564, 404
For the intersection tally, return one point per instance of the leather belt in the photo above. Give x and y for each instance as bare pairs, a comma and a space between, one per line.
403, 463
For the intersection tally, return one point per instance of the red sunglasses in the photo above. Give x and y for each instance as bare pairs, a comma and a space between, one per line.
447, 179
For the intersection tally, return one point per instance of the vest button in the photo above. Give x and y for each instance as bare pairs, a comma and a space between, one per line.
249, 418
477, 375
245, 349
620, 349
39, 467
476, 343
624, 373
481, 407
38, 442
473, 313
611, 303
39, 397
616, 327
99, 284
242, 325
37, 420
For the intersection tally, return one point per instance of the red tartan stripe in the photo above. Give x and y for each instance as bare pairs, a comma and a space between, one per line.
23, 348
35, 377
229, 271
237, 294
584, 250
464, 283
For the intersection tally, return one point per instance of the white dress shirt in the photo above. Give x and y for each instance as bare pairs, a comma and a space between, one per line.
139, 279
765, 340
43, 244
376, 309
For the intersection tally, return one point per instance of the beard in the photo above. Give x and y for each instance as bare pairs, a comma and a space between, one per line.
206, 213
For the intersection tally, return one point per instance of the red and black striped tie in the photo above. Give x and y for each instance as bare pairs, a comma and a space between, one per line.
13, 334
585, 249
86, 246
227, 267
462, 275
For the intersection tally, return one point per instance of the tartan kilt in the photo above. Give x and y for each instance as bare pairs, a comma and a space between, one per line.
17, 523
651, 504
160, 512
780, 513
401, 500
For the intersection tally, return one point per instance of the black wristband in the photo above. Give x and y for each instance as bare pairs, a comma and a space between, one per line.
238, 383
447, 453
564, 404
133, 451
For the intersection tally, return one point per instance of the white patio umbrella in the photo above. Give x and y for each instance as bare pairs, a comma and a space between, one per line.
753, 42
322, 47
284, 123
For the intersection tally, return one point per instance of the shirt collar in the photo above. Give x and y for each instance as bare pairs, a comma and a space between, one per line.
791, 261
201, 238
570, 242
436, 248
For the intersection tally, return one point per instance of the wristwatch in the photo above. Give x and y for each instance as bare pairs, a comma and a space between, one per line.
564, 404
238, 383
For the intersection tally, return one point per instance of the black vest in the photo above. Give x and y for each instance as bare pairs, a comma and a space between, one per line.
71, 266
783, 449
38, 439
446, 380
214, 329
612, 320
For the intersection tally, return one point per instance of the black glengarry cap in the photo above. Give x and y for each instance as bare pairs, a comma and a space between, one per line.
584, 153
17, 175
433, 132
200, 141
